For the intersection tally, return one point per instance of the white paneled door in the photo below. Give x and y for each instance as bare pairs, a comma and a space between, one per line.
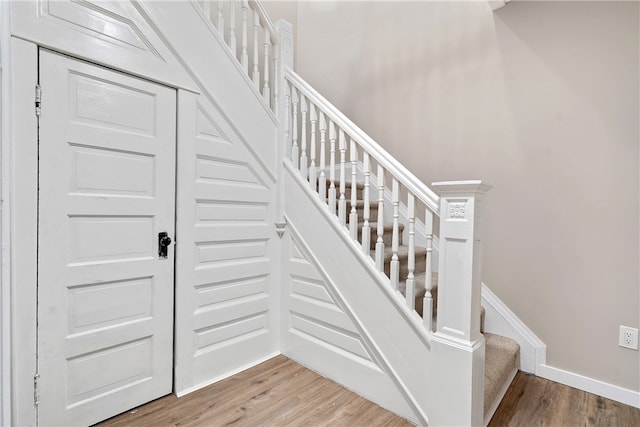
106, 192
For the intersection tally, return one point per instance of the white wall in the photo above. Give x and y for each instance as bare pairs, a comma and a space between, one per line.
282, 9
540, 99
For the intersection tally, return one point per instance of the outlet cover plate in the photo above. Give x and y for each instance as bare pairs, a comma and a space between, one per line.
628, 337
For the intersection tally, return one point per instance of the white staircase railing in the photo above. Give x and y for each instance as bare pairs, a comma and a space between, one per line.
253, 41
370, 167
457, 346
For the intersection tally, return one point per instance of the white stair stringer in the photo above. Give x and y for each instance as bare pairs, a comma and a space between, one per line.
394, 336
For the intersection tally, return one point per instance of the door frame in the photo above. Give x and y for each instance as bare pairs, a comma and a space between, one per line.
23, 194
20, 218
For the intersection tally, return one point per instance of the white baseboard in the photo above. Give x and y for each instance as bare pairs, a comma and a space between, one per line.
228, 374
500, 320
590, 385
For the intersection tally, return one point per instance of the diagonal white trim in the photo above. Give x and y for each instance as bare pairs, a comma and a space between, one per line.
500, 320
497, 4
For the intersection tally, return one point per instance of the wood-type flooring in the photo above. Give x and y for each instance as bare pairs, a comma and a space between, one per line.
535, 401
280, 392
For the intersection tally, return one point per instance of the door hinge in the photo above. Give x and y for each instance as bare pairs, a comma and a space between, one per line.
36, 389
38, 100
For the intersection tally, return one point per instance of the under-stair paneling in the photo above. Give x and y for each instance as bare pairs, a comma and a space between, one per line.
323, 337
113, 33
224, 319
341, 318
225, 251
219, 76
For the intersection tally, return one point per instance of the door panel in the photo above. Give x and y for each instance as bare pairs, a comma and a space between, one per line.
106, 189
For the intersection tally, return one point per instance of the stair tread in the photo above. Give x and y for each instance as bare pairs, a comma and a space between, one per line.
501, 358
360, 204
419, 281
374, 225
347, 184
403, 252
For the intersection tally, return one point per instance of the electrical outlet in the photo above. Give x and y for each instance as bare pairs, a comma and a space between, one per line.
628, 337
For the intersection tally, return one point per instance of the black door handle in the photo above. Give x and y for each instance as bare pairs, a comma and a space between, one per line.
163, 244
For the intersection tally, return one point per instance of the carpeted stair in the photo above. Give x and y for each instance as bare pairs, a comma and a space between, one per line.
502, 353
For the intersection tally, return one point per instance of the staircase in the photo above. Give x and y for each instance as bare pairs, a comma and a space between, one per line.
387, 218
291, 219
501, 353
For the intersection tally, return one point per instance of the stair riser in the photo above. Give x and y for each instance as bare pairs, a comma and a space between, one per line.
420, 302
387, 237
373, 212
347, 191
420, 266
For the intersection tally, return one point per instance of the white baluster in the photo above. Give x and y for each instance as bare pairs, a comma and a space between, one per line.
276, 79
303, 141
232, 28
366, 228
342, 203
322, 181
380, 241
244, 55
295, 156
256, 53
221, 18
427, 304
287, 113
395, 238
266, 91
353, 215
313, 178
410, 290
332, 167
206, 7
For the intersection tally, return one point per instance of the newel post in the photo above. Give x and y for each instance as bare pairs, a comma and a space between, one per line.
284, 54
458, 345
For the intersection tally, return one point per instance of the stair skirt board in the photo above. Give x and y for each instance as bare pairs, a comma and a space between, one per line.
392, 336
500, 320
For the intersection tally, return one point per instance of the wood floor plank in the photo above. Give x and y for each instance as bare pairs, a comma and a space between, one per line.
280, 392
535, 401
